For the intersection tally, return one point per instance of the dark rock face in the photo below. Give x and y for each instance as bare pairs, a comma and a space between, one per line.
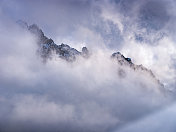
47, 48
85, 52
127, 62
121, 59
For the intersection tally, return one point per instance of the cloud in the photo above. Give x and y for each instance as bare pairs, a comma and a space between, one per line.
161, 121
88, 94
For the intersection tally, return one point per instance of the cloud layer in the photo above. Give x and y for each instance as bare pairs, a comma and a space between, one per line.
86, 95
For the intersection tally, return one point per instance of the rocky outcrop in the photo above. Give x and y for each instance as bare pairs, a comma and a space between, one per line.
123, 61
47, 48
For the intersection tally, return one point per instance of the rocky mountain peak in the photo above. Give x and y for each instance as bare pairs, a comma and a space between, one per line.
47, 47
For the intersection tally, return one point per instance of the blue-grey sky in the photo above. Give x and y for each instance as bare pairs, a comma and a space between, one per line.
63, 18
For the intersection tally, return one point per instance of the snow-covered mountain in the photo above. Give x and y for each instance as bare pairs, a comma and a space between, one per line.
47, 47
123, 61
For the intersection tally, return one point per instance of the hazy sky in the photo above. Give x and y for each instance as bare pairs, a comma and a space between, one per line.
88, 95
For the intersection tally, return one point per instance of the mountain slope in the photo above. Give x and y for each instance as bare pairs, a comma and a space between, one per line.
47, 47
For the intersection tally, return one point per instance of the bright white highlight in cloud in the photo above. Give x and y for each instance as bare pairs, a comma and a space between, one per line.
88, 94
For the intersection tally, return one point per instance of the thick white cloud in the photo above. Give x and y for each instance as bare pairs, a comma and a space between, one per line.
86, 95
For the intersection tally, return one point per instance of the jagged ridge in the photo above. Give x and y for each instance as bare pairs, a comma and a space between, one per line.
47, 45
123, 61
64, 51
